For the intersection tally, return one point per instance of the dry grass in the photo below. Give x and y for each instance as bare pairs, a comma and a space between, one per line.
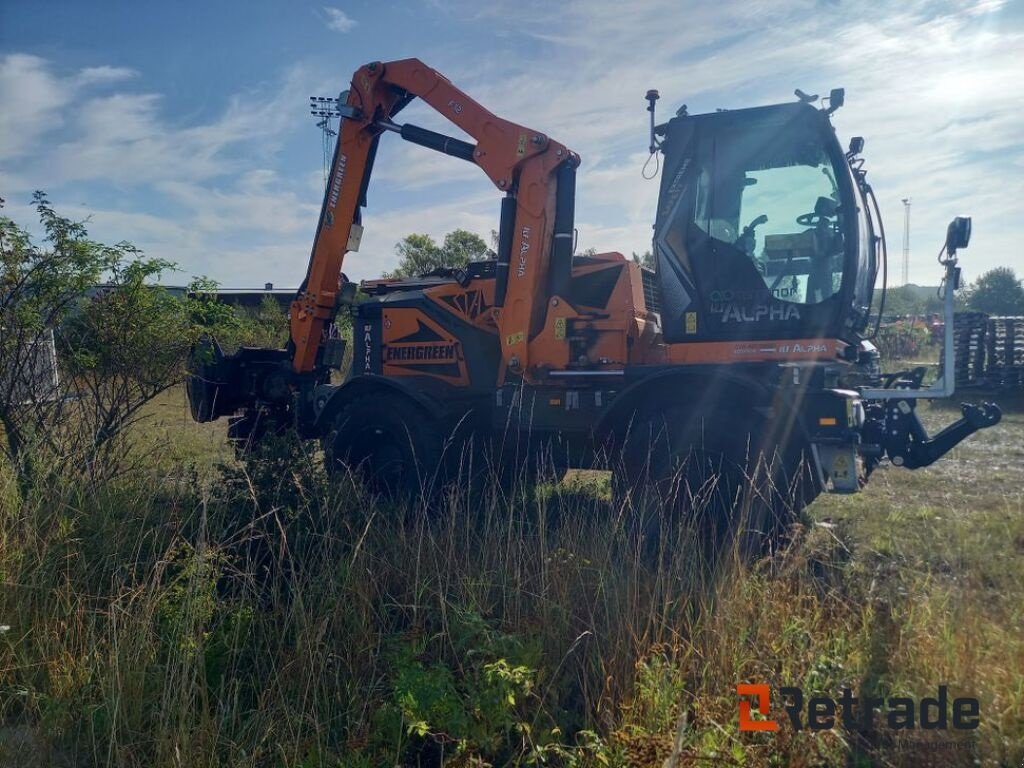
259, 615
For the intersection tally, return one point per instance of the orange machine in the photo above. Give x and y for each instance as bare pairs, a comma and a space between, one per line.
750, 338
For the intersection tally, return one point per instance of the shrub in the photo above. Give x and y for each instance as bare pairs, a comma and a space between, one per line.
120, 341
902, 340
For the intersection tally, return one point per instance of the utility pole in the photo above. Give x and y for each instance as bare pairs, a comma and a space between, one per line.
906, 240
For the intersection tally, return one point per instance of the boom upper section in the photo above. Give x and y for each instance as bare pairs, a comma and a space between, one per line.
523, 163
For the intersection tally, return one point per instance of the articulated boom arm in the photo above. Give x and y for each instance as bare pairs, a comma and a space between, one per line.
521, 162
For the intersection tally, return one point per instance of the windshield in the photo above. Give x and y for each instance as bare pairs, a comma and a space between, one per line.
757, 228
767, 207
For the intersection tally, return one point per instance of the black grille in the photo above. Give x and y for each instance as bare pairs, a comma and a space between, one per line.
652, 290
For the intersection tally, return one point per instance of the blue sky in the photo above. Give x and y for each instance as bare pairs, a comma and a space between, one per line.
184, 127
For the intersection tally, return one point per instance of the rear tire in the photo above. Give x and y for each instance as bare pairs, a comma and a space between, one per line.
390, 442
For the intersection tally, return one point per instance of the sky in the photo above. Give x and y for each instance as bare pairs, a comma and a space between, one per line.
184, 127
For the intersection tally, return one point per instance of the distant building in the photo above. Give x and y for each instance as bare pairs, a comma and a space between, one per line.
237, 297
253, 297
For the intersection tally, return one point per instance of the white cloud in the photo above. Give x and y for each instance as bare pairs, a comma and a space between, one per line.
196, 193
338, 20
259, 202
57, 130
32, 100
104, 74
410, 167
932, 85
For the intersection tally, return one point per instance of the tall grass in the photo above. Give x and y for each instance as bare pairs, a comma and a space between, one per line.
265, 615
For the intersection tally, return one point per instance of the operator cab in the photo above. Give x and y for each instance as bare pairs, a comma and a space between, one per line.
762, 229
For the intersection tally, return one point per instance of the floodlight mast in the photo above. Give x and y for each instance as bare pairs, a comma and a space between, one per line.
906, 240
326, 108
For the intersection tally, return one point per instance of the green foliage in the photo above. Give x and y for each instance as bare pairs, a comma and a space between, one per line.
208, 313
997, 292
120, 341
129, 333
660, 691
419, 254
645, 259
262, 326
473, 701
909, 300
258, 614
39, 286
902, 340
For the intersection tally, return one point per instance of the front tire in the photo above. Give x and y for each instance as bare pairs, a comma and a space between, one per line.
390, 442
723, 477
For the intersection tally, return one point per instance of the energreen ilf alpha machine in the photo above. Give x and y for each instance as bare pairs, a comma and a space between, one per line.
741, 362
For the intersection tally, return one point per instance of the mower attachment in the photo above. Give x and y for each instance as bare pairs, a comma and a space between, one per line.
221, 385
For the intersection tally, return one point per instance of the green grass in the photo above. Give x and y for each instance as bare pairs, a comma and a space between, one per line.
206, 613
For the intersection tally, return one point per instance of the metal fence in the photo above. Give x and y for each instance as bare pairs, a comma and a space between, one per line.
32, 375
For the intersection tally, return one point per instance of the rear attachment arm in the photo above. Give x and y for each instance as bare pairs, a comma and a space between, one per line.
891, 416
894, 426
907, 442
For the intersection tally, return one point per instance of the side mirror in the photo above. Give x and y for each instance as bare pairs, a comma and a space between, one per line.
958, 234
856, 146
836, 99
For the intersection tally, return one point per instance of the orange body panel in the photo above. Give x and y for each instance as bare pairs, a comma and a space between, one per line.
536, 332
474, 304
415, 345
605, 336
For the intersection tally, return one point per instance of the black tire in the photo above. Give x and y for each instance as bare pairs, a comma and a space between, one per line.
716, 475
393, 444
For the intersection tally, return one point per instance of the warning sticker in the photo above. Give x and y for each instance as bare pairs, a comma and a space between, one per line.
841, 468
691, 322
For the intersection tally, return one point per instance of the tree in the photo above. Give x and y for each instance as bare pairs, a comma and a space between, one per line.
645, 259
119, 341
997, 292
419, 254
901, 300
462, 247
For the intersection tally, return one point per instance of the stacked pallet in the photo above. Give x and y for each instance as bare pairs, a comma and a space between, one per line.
1005, 352
969, 333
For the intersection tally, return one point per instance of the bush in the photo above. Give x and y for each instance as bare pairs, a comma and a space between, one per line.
120, 341
902, 340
